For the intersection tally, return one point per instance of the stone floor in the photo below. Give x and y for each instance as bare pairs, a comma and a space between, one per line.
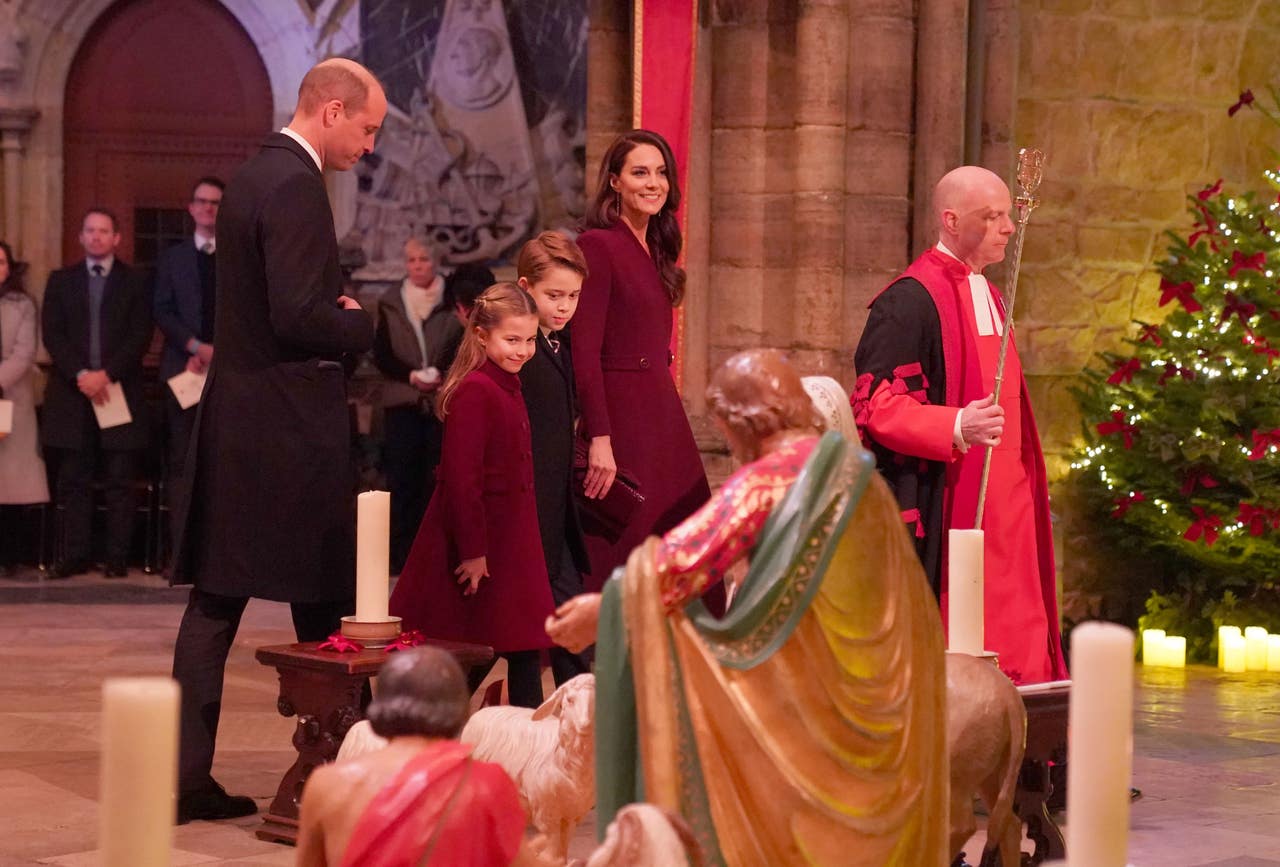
1207, 745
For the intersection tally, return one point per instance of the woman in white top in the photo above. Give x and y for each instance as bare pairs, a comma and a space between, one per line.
22, 474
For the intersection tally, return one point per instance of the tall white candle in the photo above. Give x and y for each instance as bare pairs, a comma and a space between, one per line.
1099, 745
1255, 648
1152, 644
1273, 653
139, 771
964, 592
1223, 632
373, 555
1173, 651
1233, 653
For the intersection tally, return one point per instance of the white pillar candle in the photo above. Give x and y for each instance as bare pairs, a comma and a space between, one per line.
964, 592
139, 771
373, 556
1223, 632
1255, 648
1173, 651
1152, 644
1273, 653
1099, 745
1233, 654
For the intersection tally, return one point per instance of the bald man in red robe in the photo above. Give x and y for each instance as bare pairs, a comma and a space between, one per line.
923, 403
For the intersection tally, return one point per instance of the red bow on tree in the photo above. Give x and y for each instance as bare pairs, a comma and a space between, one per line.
1197, 477
1239, 262
1205, 526
1124, 371
406, 640
1209, 192
1123, 504
1120, 426
1152, 333
1236, 307
1210, 229
339, 643
1246, 98
1172, 369
1184, 292
1257, 517
1263, 440
1261, 347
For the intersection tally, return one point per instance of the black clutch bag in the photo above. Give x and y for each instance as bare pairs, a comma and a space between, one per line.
608, 516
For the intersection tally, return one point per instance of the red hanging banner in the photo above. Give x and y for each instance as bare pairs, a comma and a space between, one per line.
663, 51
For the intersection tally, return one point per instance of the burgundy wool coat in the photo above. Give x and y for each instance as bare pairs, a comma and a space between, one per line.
483, 505
621, 358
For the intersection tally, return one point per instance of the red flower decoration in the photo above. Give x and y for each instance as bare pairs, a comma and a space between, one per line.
339, 643
1263, 440
1123, 504
1124, 371
1120, 426
1151, 333
1183, 292
1236, 307
1246, 98
406, 640
1204, 527
1240, 262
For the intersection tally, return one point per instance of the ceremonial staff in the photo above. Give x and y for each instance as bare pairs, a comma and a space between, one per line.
1030, 173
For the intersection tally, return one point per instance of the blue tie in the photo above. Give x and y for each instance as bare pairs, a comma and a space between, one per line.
97, 284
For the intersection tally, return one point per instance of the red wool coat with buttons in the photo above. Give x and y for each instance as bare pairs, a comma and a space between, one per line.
483, 505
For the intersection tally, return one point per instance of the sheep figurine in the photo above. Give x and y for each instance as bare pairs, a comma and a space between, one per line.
360, 739
549, 753
642, 835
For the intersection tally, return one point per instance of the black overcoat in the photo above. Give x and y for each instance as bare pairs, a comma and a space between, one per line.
271, 509
547, 383
125, 322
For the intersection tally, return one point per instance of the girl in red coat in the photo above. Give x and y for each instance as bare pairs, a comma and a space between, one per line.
476, 571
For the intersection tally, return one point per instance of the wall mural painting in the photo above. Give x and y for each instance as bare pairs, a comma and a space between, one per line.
484, 141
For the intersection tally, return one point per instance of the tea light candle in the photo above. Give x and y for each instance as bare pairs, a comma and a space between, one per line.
964, 592
1152, 641
1255, 648
1233, 654
1173, 651
1223, 632
139, 771
373, 556
1273, 653
1100, 745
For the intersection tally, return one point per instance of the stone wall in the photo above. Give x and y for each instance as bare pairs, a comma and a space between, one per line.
1128, 98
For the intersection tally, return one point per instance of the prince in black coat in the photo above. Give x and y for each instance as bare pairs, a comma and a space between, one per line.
271, 508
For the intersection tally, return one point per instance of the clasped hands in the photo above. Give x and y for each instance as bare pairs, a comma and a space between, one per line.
93, 385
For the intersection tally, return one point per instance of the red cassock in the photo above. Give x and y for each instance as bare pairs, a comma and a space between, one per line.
483, 505
921, 358
621, 357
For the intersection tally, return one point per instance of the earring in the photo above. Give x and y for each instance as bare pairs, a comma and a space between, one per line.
617, 200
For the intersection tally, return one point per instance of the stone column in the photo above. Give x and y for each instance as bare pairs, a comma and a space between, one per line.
15, 123
821, 103
940, 98
697, 240
608, 80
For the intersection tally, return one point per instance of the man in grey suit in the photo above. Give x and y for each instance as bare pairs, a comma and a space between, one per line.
184, 310
271, 508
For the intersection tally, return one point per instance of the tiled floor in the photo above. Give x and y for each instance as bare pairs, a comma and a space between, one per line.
1208, 745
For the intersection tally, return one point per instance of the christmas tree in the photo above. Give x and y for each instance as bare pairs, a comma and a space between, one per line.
1181, 460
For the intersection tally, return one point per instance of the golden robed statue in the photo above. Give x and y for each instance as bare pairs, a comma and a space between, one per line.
806, 726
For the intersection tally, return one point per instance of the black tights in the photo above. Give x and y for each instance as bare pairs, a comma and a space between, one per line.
524, 677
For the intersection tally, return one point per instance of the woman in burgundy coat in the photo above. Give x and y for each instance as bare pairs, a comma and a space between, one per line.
631, 413
476, 572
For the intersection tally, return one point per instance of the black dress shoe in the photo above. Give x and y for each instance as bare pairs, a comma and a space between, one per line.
213, 803
115, 569
67, 568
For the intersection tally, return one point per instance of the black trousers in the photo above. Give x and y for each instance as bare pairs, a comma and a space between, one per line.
76, 469
524, 677
566, 582
199, 661
410, 454
180, 423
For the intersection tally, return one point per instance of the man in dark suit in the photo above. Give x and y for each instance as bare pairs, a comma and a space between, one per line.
271, 508
97, 325
417, 338
184, 311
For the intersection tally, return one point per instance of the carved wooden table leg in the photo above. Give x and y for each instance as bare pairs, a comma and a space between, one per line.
327, 704
1046, 742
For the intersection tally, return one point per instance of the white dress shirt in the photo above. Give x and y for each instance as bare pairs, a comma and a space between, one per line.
305, 144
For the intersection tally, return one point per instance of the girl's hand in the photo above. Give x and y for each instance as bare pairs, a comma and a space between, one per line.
574, 624
470, 572
601, 468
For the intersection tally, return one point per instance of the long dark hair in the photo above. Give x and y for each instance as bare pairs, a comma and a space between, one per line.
663, 234
494, 304
12, 283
